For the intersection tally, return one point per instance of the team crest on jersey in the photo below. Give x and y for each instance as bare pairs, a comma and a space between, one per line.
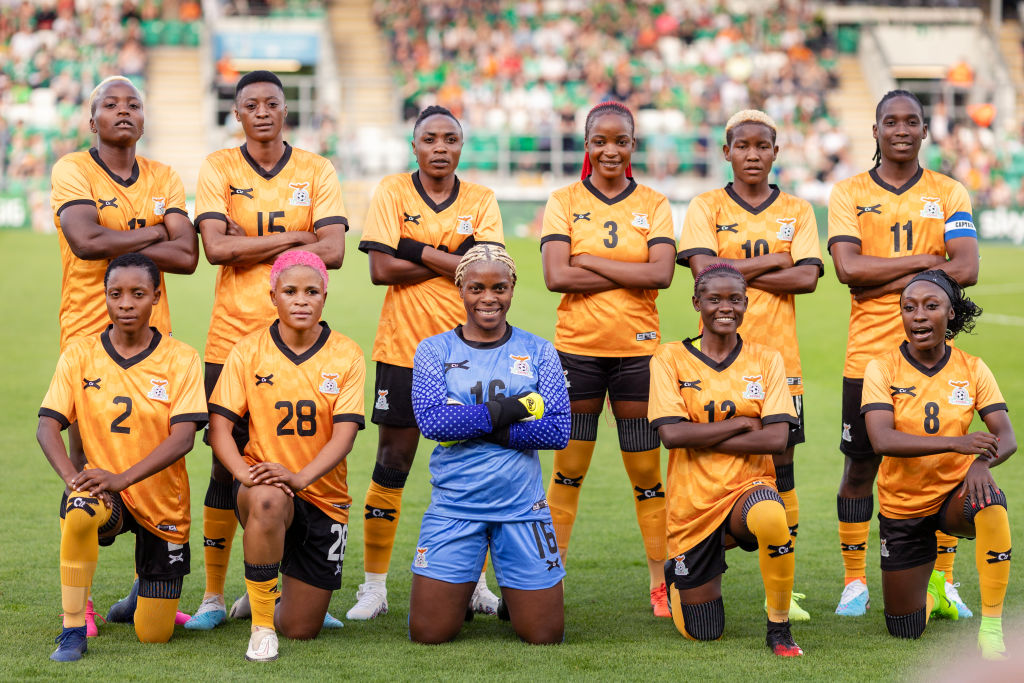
520, 366
931, 208
787, 228
158, 390
300, 194
382, 400
960, 395
754, 388
681, 569
640, 220
330, 383
846, 433
158, 205
464, 226
421, 558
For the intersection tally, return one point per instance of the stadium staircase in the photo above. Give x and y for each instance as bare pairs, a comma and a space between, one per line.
174, 111
855, 104
1011, 46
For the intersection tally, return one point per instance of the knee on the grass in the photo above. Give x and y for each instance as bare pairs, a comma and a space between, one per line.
429, 633
156, 609
304, 629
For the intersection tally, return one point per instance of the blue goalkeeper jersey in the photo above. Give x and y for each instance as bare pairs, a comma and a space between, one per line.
478, 479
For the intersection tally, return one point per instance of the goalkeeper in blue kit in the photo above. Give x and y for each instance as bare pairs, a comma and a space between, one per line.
490, 394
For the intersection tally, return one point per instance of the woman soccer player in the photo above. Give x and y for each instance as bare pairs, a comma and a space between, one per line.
884, 226
722, 406
918, 403
772, 239
302, 386
417, 229
608, 245
138, 398
492, 394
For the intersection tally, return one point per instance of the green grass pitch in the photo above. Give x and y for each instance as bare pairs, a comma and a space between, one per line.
610, 634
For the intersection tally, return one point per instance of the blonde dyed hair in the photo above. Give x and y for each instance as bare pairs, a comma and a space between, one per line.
749, 116
103, 84
484, 253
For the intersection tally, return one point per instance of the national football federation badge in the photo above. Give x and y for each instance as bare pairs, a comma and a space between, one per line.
382, 400
464, 225
640, 220
931, 208
159, 390
158, 205
960, 395
787, 228
754, 389
330, 383
300, 194
520, 366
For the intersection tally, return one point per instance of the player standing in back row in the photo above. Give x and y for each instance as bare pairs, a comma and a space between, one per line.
772, 239
252, 203
418, 227
884, 226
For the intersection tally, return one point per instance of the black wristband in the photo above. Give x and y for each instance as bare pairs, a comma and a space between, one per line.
410, 250
505, 411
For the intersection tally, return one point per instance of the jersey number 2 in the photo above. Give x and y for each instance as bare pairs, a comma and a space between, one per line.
115, 426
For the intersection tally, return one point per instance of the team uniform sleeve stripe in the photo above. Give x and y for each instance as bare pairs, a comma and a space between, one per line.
671, 420
983, 412
496, 244
200, 418
367, 246
812, 262
75, 202
331, 220
842, 238
683, 257
554, 238
779, 417
350, 417
661, 240
224, 412
46, 412
175, 209
868, 407
208, 215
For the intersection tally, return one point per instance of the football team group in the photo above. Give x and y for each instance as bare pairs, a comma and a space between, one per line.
282, 392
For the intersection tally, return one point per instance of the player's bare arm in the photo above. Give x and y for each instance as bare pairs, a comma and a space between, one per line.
688, 434
889, 441
177, 444
329, 245
180, 252
963, 262
655, 273
561, 276
225, 247
857, 270
225, 449
386, 269
329, 457
771, 439
48, 436
796, 280
750, 267
90, 241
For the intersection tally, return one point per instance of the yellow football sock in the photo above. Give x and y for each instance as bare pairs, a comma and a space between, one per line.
853, 536
792, 503
992, 557
154, 619
218, 533
79, 553
261, 582
644, 470
567, 472
945, 554
380, 525
766, 519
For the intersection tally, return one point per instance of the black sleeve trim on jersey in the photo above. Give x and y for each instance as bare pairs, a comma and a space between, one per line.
46, 412
671, 420
175, 209
868, 407
661, 240
75, 202
554, 238
199, 418
988, 409
331, 220
208, 215
224, 412
812, 262
367, 246
780, 417
497, 244
683, 257
842, 238
350, 417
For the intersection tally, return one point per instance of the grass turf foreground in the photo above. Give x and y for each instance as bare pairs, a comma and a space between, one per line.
610, 634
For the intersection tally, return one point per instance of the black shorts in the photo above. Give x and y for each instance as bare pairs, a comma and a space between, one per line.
704, 561
392, 402
909, 543
624, 379
314, 545
239, 431
155, 558
796, 431
854, 442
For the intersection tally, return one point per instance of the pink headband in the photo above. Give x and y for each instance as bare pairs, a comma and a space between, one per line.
290, 259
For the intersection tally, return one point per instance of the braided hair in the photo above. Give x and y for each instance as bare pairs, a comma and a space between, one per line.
431, 111
487, 253
609, 107
965, 311
133, 260
714, 270
878, 114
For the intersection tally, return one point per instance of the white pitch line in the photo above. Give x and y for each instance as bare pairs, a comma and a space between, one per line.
999, 319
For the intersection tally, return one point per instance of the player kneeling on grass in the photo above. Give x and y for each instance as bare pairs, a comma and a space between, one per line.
137, 397
492, 394
918, 403
302, 386
722, 406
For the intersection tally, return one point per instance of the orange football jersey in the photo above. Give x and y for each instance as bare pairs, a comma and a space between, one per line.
686, 385
401, 208
153, 191
125, 408
293, 402
619, 322
888, 222
719, 223
301, 193
938, 401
